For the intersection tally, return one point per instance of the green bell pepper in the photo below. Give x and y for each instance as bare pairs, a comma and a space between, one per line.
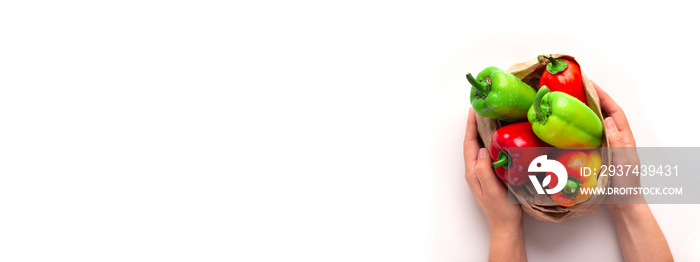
562, 120
500, 95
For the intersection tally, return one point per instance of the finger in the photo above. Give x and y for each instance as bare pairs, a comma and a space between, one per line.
615, 137
614, 111
471, 142
473, 182
605, 100
611, 107
471, 148
490, 185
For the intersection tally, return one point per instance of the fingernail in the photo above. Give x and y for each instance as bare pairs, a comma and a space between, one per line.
483, 153
610, 123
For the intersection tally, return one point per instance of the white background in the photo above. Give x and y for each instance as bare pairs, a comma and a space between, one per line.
300, 130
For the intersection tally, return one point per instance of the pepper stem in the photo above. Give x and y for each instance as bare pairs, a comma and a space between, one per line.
572, 187
555, 66
541, 115
503, 159
482, 87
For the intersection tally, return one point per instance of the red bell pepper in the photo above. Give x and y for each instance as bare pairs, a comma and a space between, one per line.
563, 75
506, 161
573, 161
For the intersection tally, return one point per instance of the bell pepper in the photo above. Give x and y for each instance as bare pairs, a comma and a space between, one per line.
511, 167
500, 95
563, 121
563, 75
573, 161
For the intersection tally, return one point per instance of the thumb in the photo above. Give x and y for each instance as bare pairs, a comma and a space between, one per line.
484, 171
615, 137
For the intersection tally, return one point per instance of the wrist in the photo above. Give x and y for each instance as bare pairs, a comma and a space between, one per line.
506, 230
628, 211
507, 242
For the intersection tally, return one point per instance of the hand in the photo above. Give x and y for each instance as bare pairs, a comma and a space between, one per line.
505, 220
640, 236
624, 152
491, 194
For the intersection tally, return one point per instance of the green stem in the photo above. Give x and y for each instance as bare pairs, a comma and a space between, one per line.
538, 98
572, 187
551, 59
556, 66
481, 87
503, 160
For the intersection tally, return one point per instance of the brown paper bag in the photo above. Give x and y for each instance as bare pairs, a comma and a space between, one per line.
530, 72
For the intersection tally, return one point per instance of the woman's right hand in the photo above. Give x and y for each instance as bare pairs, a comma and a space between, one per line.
640, 236
624, 151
